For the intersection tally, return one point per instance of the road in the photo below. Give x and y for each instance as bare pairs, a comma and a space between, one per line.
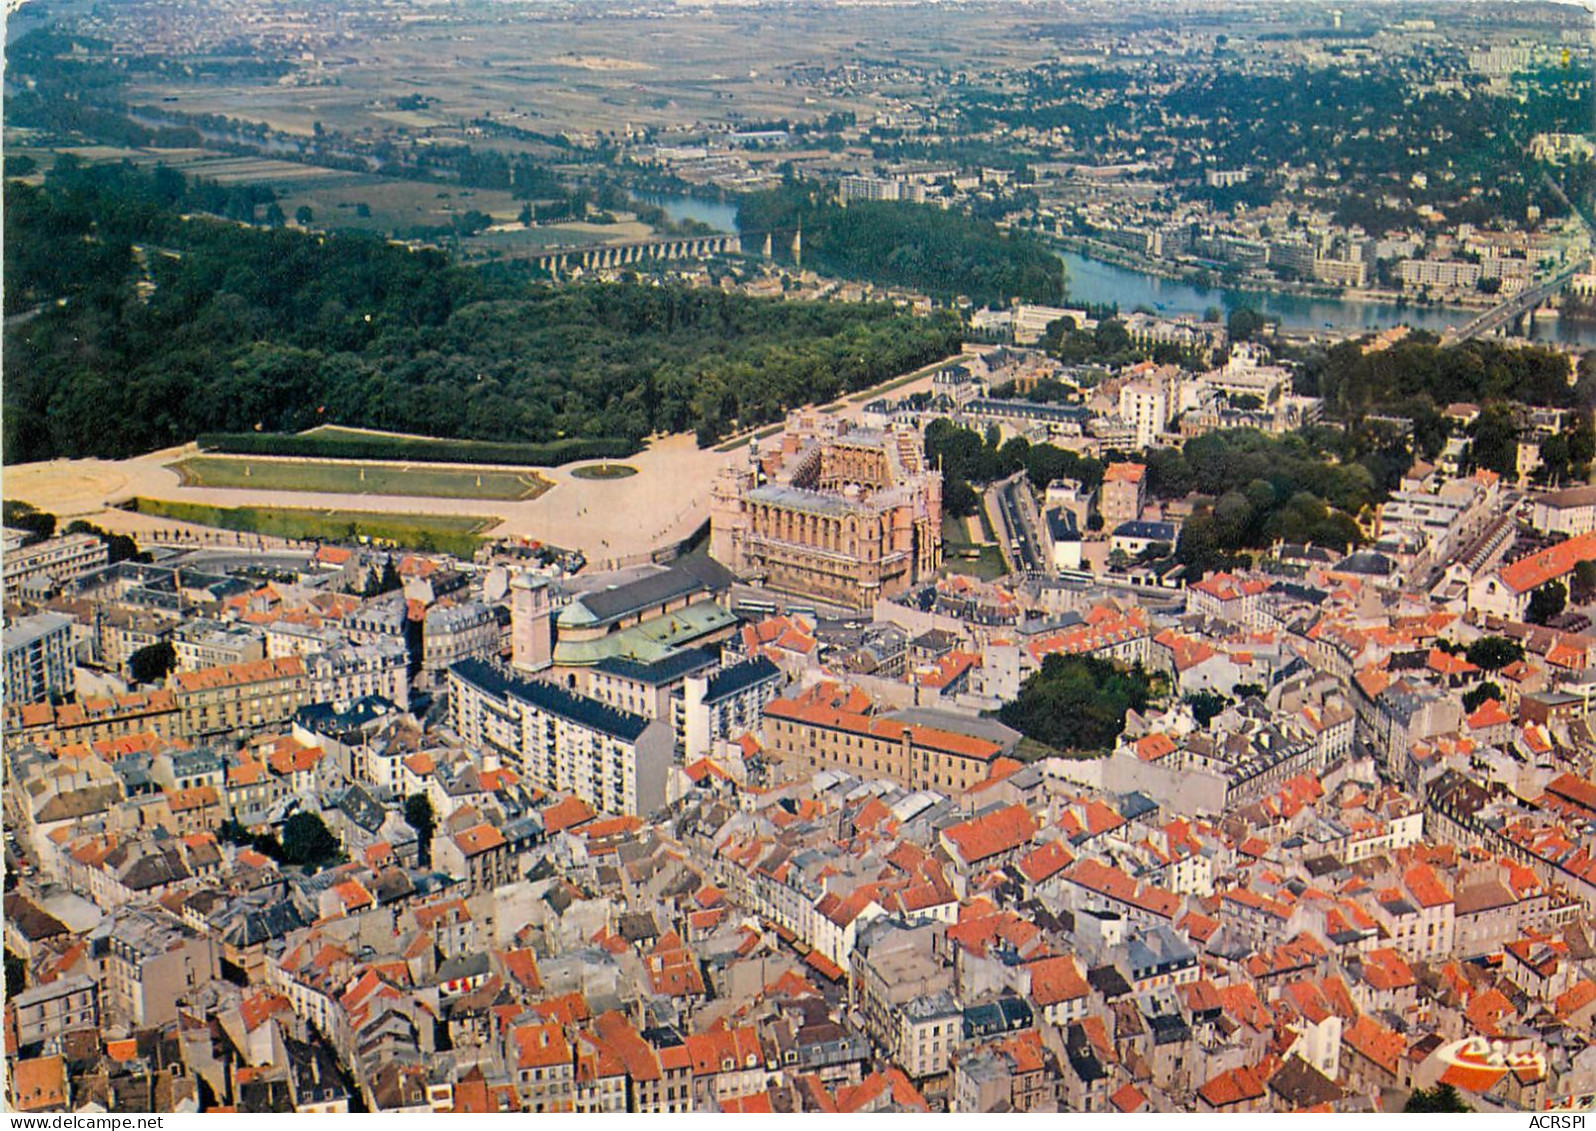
1013, 511
1504, 312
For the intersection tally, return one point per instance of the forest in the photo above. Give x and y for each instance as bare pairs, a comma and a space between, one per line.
133, 327
939, 252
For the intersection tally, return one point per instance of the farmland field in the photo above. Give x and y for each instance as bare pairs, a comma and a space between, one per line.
355, 478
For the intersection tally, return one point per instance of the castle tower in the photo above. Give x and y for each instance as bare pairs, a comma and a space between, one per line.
798, 248
728, 518
531, 623
767, 245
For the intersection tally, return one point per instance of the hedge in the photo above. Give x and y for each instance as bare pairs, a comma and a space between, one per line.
412, 449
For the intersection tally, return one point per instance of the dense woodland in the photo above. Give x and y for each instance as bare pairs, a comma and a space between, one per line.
939, 252
137, 328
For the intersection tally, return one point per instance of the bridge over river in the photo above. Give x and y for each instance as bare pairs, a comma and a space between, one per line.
1514, 307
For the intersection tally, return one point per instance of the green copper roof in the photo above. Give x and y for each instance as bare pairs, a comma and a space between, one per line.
651, 641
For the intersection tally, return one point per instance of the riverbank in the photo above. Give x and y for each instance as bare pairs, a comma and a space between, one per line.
1203, 277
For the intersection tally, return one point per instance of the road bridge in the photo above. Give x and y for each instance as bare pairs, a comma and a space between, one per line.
1512, 308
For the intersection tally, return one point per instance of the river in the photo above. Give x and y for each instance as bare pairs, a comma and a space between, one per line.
718, 214
1093, 281
1096, 282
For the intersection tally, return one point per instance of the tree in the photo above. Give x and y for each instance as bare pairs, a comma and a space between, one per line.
267, 331
1584, 584
1581, 445
303, 215
1473, 699
16, 974
1077, 702
40, 525
1111, 337
1546, 602
1495, 436
1441, 1098
308, 842
274, 215
151, 663
1243, 323
1205, 705
418, 815
1554, 458
1493, 653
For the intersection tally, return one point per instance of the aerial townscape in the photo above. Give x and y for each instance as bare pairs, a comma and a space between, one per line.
688, 556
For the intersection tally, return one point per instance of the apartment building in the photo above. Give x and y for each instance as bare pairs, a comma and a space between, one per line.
1147, 404
1123, 493
148, 960
1571, 512
468, 631
241, 696
53, 561
211, 644
349, 672
1443, 274
46, 1013
727, 703
559, 740
652, 690
38, 657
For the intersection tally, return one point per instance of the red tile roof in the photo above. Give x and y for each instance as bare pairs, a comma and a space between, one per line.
1548, 565
1236, 1086
1000, 831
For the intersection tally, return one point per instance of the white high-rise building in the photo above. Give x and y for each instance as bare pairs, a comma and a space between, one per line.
558, 740
1146, 404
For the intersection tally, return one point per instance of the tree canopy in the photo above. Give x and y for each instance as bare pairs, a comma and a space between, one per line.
308, 842
151, 663
419, 816
1441, 1098
212, 326
1077, 702
1493, 653
941, 252
1546, 602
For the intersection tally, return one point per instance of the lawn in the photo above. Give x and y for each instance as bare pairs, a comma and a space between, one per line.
353, 478
960, 555
604, 471
450, 533
982, 562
